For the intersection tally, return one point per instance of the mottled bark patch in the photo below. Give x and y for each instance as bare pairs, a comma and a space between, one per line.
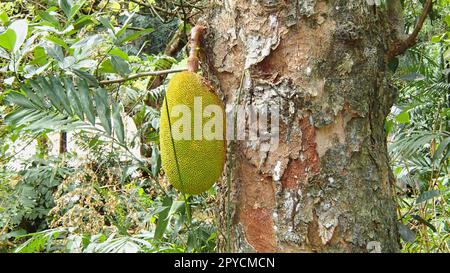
328, 221
299, 170
328, 136
314, 240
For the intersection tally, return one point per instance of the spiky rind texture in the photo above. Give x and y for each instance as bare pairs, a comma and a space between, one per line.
200, 162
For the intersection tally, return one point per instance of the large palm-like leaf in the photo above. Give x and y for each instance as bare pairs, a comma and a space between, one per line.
56, 104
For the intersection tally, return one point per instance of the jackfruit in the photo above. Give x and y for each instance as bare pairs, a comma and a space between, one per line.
199, 155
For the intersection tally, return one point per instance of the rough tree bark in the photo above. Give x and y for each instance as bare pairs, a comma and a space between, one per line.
327, 187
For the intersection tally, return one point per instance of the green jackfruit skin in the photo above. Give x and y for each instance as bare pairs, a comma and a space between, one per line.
200, 161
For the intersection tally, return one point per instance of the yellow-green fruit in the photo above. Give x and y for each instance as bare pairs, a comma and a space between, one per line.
200, 159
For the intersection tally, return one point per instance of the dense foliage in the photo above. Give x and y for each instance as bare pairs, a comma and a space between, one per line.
419, 133
79, 124
72, 78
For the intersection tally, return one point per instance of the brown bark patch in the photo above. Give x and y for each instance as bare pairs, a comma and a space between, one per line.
291, 174
257, 189
314, 240
299, 170
258, 227
257, 201
309, 146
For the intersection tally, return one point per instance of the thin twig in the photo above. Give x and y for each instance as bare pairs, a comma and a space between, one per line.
189, 5
141, 75
167, 12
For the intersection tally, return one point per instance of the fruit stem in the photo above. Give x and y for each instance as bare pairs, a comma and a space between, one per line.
194, 44
187, 207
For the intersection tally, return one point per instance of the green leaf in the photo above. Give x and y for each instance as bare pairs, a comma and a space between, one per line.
33, 97
119, 53
55, 51
83, 48
39, 92
118, 123
436, 39
22, 116
62, 96
73, 98
163, 219
20, 100
440, 150
413, 77
106, 67
388, 126
134, 36
114, 6
447, 54
67, 63
17, 117
125, 25
156, 161
4, 18
74, 10
424, 196
103, 110
403, 117
12, 234
57, 41
121, 66
20, 27
51, 93
447, 20
32, 70
176, 206
8, 39
177, 226
9, 80
86, 76
51, 121
66, 7
406, 234
106, 23
46, 16
86, 101
83, 21
39, 56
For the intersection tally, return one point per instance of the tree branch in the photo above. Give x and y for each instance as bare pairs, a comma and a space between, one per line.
400, 47
194, 44
141, 75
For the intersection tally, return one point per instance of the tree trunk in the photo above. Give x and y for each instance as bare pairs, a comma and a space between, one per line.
327, 186
62, 143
